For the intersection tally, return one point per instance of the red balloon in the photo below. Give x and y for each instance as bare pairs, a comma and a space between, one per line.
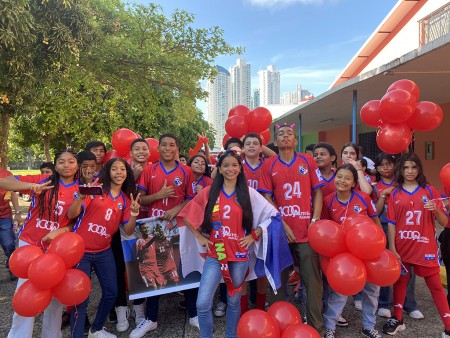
300, 331
21, 258
240, 110
324, 263
29, 300
393, 138
111, 154
257, 323
153, 145
121, 140
444, 175
366, 240
285, 314
74, 288
236, 126
46, 271
69, 246
427, 116
213, 159
225, 139
265, 136
354, 219
407, 85
346, 274
397, 106
259, 119
383, 271
370, 113
327, 238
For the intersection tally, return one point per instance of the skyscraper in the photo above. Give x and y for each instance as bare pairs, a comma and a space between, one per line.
255, 98
218, 103
269, 86
240, 84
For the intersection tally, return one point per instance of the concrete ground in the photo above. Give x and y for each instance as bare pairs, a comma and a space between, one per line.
174, 323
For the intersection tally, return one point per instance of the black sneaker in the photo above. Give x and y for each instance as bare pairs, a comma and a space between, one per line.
112, 317
393, 325
329, 333
371, 333
65, 320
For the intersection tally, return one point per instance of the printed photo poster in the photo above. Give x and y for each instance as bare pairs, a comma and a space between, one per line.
152, 259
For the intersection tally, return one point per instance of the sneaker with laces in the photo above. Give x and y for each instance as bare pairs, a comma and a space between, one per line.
371, 333
138, 313
194, 322
329, 333
122, 313
393, 325
144, 326
220, 309
416, 314
386, 313
358, 305
342, 322
101, 334
294, 278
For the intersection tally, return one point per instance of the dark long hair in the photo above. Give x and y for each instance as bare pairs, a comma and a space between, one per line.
379, 159
352, 170
46, 198
207, 171
242, 196
128, 186
353, 145
413, 157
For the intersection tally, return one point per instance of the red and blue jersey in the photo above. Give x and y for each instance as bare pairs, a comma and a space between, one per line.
291, 186
415, 235
100, 218
252, 175
204, 181
328, 185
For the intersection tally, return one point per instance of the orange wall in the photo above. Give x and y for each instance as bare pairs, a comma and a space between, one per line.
336, 137
441, 138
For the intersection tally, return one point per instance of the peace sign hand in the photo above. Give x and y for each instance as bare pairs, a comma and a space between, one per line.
134, 206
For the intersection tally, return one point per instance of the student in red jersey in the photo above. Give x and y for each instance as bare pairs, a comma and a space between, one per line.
99, 217
165, 186
47, 218
200, 169
292, 182
140, 152
325, 157
221, 219
337, 207
412, 209
7, 236
99, 150
350, 154
385, 178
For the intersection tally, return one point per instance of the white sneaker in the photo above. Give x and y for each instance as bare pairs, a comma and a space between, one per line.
101, 334
122, 313
386, 313
416, 314
358, 305
220, 309
138, 313
194, 322
144, 326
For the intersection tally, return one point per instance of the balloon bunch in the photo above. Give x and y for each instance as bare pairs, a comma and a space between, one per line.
49, 275
282, 319
121, 142
353, 253
241, 121
398, 114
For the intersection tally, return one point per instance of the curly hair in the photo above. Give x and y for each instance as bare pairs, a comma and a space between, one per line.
128, 186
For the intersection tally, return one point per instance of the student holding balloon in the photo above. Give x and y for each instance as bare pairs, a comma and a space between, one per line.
413, 207
347, 201
47, 218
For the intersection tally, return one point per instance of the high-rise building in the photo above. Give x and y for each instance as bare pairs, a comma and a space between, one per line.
240, 83
218, 103
255, 98
269, 86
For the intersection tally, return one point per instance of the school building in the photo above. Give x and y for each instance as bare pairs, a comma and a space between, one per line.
412, 42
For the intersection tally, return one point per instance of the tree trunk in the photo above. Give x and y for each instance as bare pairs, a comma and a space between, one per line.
4, 123
48, 158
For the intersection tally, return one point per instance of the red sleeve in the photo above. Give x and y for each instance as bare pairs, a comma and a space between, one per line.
325, 212
194, 210
371, 210
390, 213
314, 173
190, 179
144, 180
265, 182
126, 214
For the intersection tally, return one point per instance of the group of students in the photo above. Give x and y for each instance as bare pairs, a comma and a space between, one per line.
250, 185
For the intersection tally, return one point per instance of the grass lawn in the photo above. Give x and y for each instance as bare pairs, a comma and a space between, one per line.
26, 172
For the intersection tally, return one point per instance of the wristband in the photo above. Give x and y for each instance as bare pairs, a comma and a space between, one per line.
134, 214
17, 212
383, 195
254, 235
